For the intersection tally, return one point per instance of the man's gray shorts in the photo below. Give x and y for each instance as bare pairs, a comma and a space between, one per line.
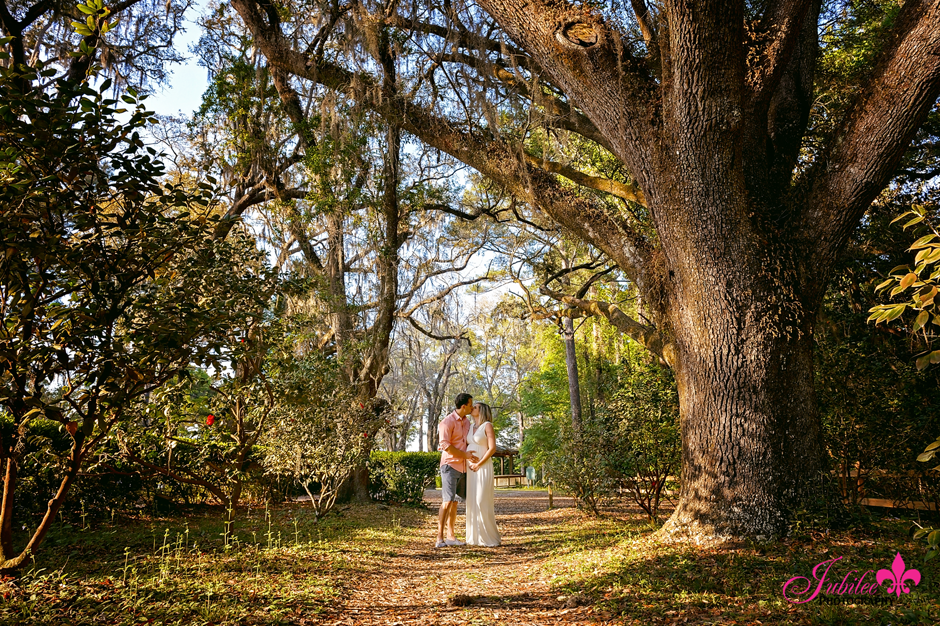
453, 484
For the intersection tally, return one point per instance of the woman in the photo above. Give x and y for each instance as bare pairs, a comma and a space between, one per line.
481, 514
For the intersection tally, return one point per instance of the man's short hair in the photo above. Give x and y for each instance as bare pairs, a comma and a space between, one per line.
462, 400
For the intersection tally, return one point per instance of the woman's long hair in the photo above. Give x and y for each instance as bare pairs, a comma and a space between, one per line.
486, 414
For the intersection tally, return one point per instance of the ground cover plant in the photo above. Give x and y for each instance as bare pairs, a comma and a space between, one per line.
375, 564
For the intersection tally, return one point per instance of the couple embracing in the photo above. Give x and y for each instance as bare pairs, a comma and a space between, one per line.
467, 442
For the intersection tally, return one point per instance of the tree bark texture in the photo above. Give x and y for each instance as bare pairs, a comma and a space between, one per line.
708, 117
571, 365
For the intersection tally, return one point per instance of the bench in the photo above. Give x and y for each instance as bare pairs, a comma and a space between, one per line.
509, 480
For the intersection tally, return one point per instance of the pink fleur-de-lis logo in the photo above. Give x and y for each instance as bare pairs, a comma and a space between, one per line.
897, 576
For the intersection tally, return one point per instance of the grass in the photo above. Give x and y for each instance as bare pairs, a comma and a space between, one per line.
283, 567
637, 580
280, 565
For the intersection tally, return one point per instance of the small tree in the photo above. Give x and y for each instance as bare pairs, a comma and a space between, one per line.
110, 281
582, 461
321, 431
647, 412
208, 433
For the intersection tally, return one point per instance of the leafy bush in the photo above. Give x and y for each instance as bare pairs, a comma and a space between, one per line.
541, 440
647, 409
582, 462
320, 430
402, 477
113, 281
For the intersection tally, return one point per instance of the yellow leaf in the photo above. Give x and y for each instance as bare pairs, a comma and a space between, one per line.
923, 241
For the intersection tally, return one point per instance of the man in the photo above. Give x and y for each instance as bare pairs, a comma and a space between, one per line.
454, 456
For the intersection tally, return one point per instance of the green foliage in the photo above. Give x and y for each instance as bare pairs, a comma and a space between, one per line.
630, 433
321, 430
583, 461
647, 409
112, 282
107, 485
545, 392
871, 402
402, 477
931, 536
918, 286
541, 437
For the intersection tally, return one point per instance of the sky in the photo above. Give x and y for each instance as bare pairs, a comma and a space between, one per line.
183, 92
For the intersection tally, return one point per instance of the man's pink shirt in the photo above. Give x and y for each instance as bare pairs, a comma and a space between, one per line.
453, 431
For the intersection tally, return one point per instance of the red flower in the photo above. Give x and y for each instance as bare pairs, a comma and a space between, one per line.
210, 419
361, 405
365, 434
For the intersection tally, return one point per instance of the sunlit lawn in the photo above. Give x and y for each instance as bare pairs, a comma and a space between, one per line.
283, 567
280, 567
636, 579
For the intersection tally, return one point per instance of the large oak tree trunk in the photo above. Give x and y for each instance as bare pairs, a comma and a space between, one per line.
751, 446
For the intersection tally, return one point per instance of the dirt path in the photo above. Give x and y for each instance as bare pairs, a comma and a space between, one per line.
421, 584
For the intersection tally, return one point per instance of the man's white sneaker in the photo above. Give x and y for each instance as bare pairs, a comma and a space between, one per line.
440, 544
454, 542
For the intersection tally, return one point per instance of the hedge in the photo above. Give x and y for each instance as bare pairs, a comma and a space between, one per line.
402, 477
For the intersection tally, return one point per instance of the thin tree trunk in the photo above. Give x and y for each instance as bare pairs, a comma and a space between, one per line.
571, 363
9, 561
420, 434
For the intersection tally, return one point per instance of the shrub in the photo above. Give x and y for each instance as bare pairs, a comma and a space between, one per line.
402, 477
321, 431
582, 462
650, 450
112, 279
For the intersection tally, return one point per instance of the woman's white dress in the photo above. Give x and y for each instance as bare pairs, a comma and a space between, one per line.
481, 513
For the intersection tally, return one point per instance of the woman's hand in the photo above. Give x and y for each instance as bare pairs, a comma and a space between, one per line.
474, 466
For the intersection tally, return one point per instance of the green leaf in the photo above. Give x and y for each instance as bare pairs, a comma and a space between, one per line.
923, 457
933, 256
896, 312
923, 241
86, 10
935, 357
885, 284
906, 268
934, 538
933, 446
902, 216
922, 318
921, 363
916, 220
90, 22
